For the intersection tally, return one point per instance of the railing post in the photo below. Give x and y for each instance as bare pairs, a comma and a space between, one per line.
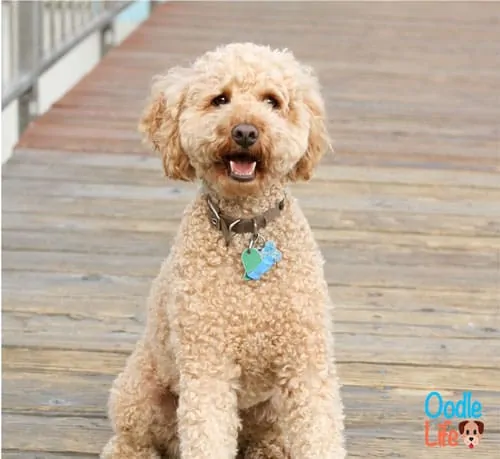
152, 4
107, 37
26, 110
30, 53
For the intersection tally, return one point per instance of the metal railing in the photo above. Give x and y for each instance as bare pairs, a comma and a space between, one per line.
36, 34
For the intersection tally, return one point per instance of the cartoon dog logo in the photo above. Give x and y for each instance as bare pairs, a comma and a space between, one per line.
471, 432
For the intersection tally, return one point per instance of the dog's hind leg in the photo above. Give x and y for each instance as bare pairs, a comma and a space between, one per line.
261, 436
142, 412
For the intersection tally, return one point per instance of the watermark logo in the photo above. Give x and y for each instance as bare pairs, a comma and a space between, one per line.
450, 423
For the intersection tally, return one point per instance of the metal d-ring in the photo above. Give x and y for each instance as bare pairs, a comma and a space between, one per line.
255, 237
232, 225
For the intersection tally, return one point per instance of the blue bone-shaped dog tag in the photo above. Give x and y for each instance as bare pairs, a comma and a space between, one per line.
270, 255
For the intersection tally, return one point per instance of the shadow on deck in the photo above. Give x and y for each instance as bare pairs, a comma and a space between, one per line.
407, 214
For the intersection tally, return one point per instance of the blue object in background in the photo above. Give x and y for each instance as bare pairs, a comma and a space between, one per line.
137, 12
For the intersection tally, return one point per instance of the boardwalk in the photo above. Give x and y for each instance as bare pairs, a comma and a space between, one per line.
407, 214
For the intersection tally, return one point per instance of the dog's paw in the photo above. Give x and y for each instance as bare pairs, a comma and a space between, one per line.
117, 448
265, 451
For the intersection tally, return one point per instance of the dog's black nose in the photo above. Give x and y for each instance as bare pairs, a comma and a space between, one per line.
245, 135
471, 438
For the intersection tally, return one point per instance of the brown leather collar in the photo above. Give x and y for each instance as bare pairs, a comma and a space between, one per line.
228, 225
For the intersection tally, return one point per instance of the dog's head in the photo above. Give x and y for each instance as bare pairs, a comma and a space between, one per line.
240, 118
471, 432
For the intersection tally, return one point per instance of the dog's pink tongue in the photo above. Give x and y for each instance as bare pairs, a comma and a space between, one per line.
242, 168
471, 446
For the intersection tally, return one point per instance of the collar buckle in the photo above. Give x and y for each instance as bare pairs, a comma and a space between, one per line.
228, 226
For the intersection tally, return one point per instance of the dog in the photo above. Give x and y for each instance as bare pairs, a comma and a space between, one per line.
471, 432
237, 356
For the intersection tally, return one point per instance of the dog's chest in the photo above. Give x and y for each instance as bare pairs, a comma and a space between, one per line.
266, 319
260, 323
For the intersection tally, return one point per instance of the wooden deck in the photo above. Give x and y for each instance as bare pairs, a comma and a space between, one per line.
407, 214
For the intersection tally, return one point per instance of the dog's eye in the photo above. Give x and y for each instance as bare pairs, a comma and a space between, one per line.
272, 101
221, 99
467, 432
475, 432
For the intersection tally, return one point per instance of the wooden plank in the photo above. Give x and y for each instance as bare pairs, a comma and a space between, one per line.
360, 274
415, 48
356, 197
361, 343
364, 319
461, 308
32, 212
406, 14
146, 239
381, 194
54, 434
67, 395
146, 263
70, 284
465, 301
22, 360
338, 17
357, 445
387, 446
396, 411
132, 243
86, 397
95, 284
302, 191
23, 454
148, 169
103, 161
375, 315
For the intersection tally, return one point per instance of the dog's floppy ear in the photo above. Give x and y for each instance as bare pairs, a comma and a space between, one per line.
159, 123
480, 426
461, 427
318, 141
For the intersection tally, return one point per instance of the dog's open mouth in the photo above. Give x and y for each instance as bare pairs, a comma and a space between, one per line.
241, 166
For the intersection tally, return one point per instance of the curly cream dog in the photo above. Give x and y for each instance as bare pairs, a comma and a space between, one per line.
231, 365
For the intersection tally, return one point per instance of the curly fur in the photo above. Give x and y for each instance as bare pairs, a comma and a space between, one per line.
228, 368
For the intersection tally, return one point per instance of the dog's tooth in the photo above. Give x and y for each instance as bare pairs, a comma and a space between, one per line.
235, 169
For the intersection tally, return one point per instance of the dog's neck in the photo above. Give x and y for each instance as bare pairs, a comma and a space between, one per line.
248, 206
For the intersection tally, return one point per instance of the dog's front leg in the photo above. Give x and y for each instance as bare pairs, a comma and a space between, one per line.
313, 416
207, 414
